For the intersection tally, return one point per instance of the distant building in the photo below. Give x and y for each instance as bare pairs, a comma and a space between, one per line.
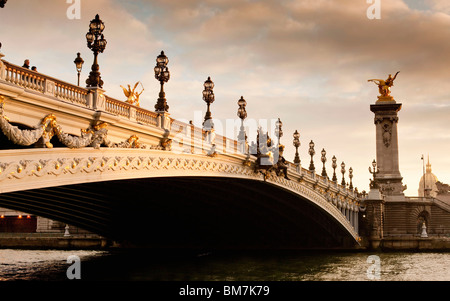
427, 184
12, 221
432, 187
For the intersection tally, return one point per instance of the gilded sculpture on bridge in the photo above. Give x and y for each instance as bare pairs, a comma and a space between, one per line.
132, 95
282, 164
269, 157
384, 86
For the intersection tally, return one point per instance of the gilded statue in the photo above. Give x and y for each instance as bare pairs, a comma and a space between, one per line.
384, 86
132, 96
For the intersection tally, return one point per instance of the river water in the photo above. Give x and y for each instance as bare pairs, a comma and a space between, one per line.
53, 265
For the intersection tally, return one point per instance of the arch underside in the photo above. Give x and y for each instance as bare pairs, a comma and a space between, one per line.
191, 212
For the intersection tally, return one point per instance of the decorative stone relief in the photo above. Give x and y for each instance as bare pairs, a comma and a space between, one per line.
387, 134
49, 87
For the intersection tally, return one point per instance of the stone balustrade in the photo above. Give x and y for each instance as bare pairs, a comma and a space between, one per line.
146, 117
23, 77
117, 107
71, 93
430, 200
39, 82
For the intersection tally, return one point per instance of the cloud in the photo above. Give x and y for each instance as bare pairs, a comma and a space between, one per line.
305, 61
442, 6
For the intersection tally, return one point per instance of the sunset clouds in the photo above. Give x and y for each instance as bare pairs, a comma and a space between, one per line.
305, 61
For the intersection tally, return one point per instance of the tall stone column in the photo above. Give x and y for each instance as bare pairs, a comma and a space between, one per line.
389, 179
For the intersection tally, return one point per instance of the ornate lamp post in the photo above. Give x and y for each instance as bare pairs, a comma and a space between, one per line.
242, 114
162, 74
208, 97
278, 130
296, 145
2, 3
78, 65
334, 166
374, 173
324, 159
311, 153
350, 175
343, 172
97, 43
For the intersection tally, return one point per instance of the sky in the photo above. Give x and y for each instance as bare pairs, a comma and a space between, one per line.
306, 62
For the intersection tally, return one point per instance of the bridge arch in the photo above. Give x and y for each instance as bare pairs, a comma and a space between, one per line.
188, 212
146, 196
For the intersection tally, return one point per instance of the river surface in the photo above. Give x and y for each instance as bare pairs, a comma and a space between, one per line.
53, 265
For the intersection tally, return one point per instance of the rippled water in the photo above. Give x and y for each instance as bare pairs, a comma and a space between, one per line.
50, 265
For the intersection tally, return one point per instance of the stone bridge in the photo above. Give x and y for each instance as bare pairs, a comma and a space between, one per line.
78, 156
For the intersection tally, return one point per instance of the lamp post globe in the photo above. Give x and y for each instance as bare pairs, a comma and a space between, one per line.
242, 114
311, 153
208, 97
78, 65
324, 159
334, 166
343, 172
162, 74
97, 43
350, 175
296, 144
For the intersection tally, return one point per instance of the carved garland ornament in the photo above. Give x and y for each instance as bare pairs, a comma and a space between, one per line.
94, 136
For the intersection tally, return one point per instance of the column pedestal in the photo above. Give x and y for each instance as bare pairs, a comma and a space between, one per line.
389, 179
98, 98
163, 120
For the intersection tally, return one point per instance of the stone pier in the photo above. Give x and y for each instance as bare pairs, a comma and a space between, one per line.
392, 221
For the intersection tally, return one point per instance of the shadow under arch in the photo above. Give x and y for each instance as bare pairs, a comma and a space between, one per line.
188, 212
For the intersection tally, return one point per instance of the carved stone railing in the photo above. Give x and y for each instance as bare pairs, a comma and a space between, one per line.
442, 204
117, 107
146, 117
437, 202
418, 199
39, 82
25, 78
178, 126
71, 93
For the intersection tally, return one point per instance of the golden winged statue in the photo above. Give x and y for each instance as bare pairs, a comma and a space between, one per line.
384, 86
132, 96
